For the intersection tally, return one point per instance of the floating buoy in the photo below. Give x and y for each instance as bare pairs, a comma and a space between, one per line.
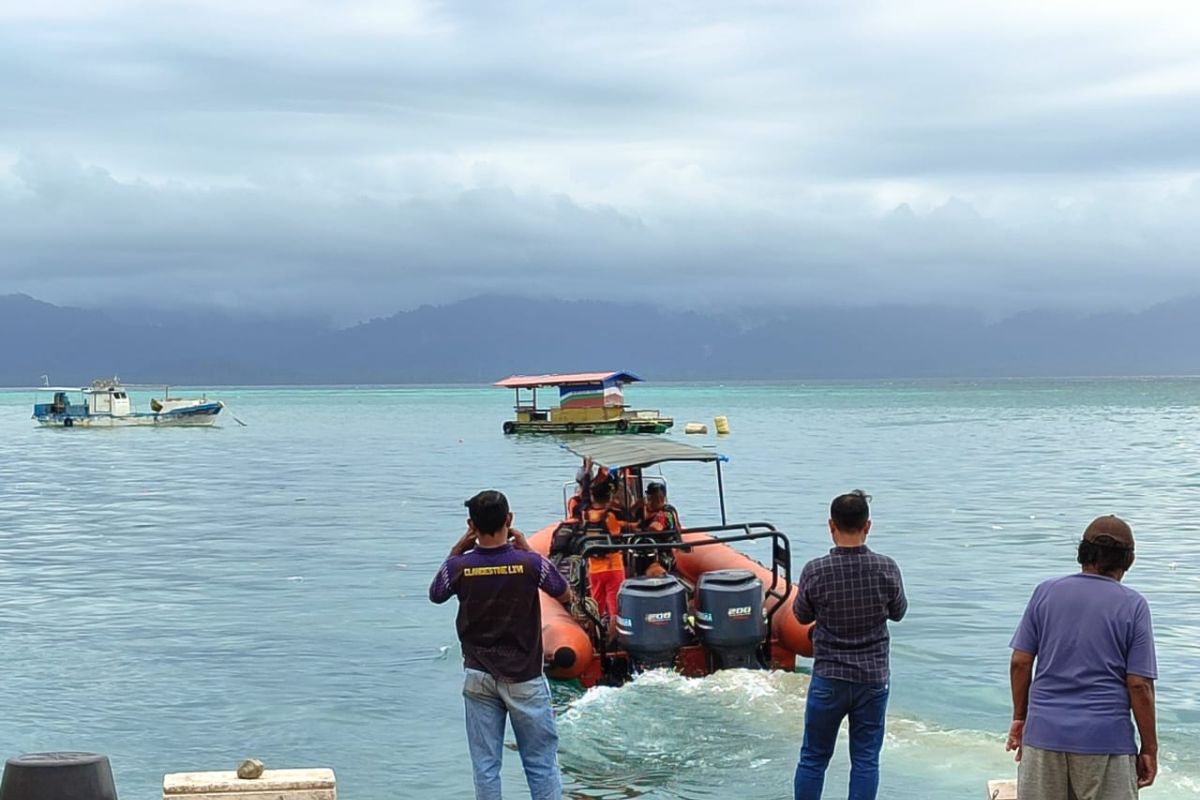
721, 424
695, 427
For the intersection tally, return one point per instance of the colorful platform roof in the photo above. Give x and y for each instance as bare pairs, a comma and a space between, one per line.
566, 379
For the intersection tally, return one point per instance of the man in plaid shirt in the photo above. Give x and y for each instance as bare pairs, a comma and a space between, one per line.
851, 594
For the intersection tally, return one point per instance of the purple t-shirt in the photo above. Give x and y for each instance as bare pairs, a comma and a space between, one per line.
499, 611
1088, 632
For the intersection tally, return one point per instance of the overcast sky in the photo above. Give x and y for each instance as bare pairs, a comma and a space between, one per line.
358, 158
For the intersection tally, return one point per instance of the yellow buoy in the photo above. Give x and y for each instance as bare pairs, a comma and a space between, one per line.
695, 427
722, 425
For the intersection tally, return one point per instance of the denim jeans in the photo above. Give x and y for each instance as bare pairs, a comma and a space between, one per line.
829, 702
527, 704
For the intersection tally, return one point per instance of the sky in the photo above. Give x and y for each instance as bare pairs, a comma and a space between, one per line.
351, 159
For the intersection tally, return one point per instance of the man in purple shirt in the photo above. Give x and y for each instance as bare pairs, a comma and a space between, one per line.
850, 594
496, 578
1093, 644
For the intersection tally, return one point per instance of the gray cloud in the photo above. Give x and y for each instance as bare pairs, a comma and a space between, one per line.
357, 158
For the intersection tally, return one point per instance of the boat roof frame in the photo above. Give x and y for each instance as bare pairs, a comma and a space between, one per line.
636, 451
86, 389
116, 387
642, 450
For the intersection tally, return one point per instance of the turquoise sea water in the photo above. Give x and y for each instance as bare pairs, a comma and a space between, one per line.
180, 599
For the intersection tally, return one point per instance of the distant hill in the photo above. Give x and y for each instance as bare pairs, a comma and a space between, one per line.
482, 339
74, 346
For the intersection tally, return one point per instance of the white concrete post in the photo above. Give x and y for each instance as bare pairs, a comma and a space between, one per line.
273, 784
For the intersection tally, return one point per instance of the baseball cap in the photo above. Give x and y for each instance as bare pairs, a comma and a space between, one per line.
1114, 528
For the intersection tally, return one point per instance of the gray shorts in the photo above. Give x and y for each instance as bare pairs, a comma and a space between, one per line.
1050, 775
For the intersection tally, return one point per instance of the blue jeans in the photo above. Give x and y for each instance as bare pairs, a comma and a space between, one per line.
829, 702
527, 704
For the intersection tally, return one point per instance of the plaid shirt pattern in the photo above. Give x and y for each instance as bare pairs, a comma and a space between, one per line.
851, 594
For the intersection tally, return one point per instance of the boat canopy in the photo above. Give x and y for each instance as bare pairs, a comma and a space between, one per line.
567, 379
638, 451
81, 389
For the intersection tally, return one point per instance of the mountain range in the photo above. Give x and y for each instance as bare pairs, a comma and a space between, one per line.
485, 338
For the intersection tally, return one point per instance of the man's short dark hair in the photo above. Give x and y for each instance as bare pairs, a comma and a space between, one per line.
656, 489
1105, 554
851, 512
488, 511
602, 491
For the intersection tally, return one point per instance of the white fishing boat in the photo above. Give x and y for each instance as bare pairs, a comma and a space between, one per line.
106, 404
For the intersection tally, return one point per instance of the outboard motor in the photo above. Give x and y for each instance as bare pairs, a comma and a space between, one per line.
650, 625
729, 617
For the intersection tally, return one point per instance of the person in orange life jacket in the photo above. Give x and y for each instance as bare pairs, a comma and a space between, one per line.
575, 504
606, 572
584, 481
627, 505
623, 499
578, 501
657, 516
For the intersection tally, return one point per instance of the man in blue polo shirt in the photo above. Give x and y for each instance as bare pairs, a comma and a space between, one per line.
851, 594
497, 578
1093, 644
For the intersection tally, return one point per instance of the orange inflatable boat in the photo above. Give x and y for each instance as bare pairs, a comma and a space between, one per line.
706, 607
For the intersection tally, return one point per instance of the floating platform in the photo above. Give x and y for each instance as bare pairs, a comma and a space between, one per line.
589, 403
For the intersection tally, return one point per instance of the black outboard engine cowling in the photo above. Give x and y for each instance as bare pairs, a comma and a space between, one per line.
729, 618
650, 620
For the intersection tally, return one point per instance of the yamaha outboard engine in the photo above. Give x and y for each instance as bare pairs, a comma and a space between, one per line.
729, 617
650, 614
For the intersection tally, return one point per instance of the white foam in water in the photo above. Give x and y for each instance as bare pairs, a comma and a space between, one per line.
666, 736
1187, 784
663, 735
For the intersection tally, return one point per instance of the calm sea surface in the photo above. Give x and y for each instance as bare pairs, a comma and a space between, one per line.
180, 599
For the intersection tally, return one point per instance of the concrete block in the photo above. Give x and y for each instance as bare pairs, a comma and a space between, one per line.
1002, 790
274, 784
273, 794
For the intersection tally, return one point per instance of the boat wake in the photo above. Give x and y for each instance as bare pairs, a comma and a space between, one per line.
665, 736
738, 733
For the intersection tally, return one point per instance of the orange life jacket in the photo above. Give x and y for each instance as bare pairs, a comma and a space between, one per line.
665, 519
606, 520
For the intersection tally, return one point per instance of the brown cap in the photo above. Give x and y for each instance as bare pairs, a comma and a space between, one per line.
1114, 528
